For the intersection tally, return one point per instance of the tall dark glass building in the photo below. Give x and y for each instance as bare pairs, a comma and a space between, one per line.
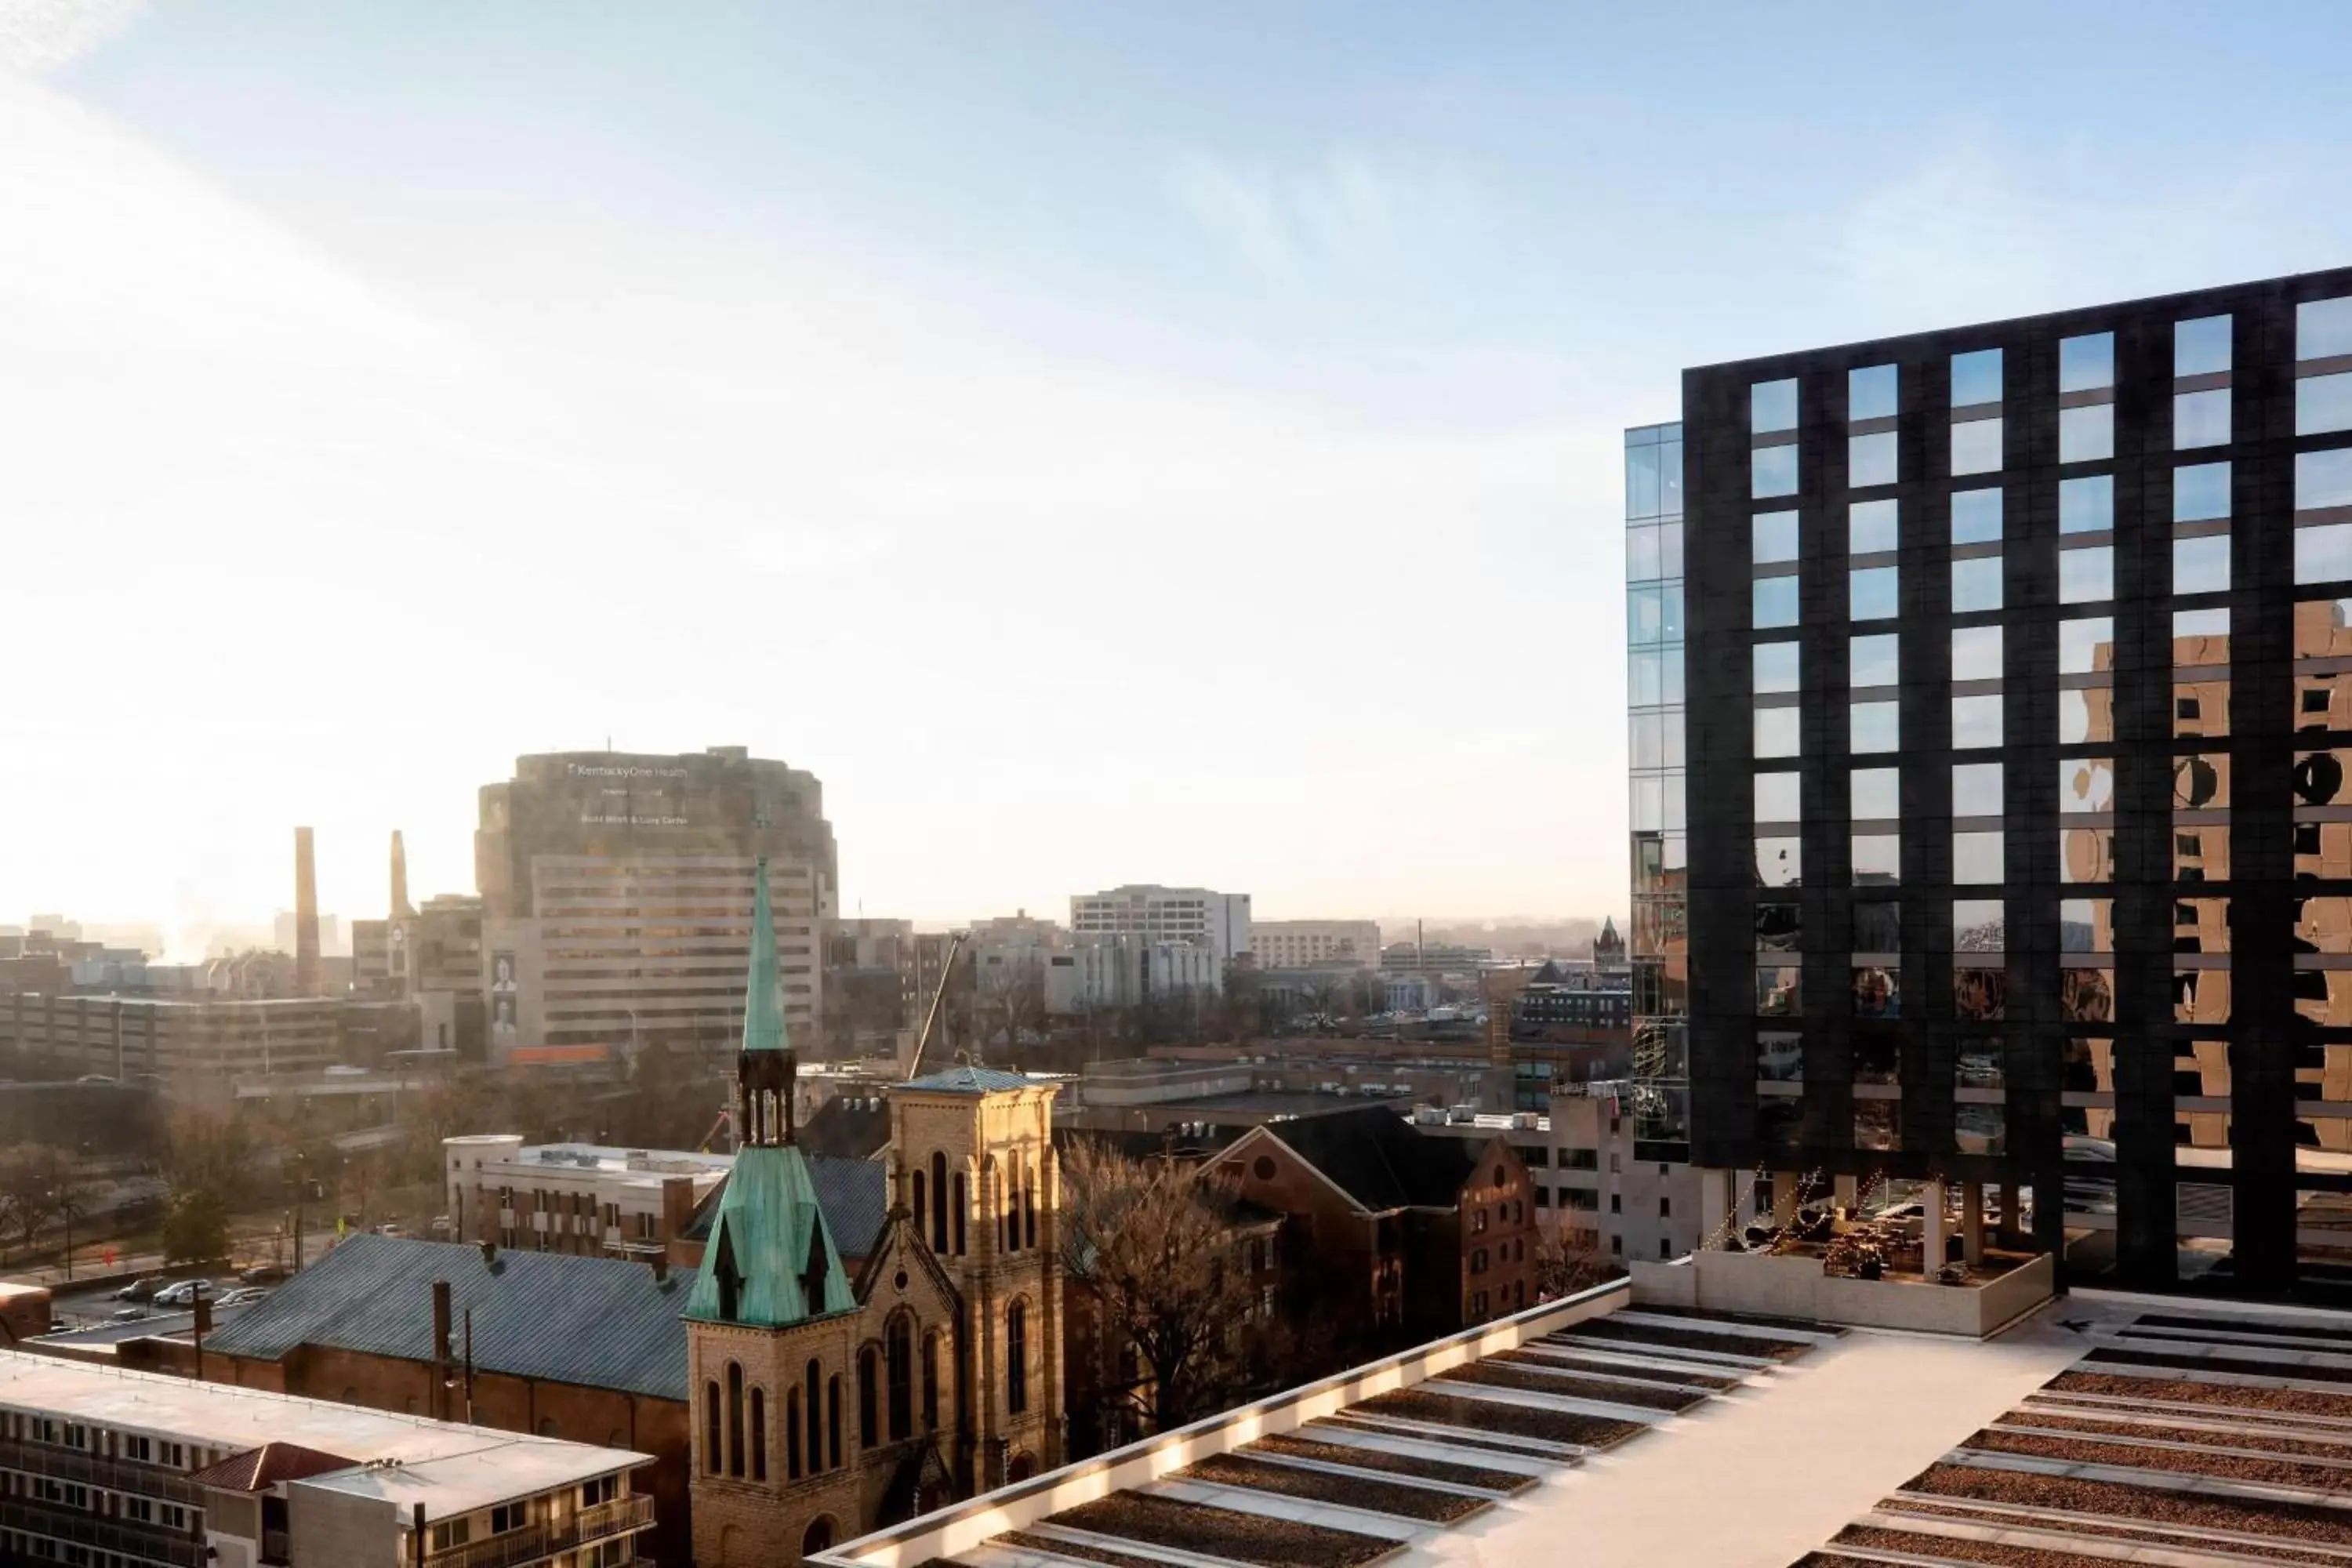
1991, 699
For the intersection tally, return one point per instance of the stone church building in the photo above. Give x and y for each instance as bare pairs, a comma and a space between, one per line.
823, 1406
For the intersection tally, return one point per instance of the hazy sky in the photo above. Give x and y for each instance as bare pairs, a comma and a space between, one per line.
1164, 441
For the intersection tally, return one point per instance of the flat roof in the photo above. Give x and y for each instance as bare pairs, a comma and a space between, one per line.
449, 1466
2194, 1432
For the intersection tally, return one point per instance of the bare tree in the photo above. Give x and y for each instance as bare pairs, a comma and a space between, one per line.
1562, 1270
1010, 1002
37, 1185
1150, 1242
215, 1153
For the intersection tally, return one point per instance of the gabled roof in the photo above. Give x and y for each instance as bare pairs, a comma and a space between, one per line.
849, 1126
769, 1236
258, 1469
1379, 1159
971, 1081
600, 1322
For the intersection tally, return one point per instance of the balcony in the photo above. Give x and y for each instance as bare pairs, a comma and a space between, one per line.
177, 1548
158, 1481
532, 1543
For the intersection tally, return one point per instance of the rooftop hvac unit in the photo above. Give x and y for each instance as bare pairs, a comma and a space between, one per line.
1463, 1113
1523, 1119
1429, 1115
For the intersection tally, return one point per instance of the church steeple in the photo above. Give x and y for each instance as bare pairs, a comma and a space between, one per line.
765, 1067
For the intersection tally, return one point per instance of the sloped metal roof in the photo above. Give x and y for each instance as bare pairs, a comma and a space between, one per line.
769, 1228
970, 1080
600, 1322
854, 1194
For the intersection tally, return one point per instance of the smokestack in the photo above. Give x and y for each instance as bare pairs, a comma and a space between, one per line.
306, 916
400, 909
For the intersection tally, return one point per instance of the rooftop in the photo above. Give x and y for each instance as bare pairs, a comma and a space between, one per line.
600, 1322
2103, 1428
974, 1080
449, 1468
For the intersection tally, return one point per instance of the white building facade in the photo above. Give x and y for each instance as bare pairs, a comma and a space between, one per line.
1218, 922
1316, 944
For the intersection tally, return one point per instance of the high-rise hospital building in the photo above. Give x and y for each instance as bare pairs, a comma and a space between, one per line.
1990, 731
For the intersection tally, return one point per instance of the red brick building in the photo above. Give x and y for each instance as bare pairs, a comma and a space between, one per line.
1389, 1237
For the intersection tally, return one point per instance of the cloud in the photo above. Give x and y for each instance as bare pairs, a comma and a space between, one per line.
1344, 211
37, 36
808, 552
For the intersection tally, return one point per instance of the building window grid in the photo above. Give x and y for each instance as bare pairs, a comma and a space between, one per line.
1657, 945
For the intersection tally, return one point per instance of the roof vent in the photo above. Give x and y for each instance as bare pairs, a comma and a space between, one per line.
489, 1250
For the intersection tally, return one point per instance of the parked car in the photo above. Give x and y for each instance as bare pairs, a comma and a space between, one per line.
243, 1295
142, 1289
126, 1314
186, 1293
264, 1274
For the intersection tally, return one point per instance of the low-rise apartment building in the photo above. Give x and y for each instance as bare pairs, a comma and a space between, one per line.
573, 1197
108, 1469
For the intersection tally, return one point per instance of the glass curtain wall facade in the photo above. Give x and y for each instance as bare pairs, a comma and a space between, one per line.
1659, 946
2012, 736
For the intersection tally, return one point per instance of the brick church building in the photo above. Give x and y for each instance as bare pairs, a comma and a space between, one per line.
825, 1405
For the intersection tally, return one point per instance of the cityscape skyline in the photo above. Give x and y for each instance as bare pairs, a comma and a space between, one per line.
503, 374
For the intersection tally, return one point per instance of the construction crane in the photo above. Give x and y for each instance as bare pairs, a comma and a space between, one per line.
956, 939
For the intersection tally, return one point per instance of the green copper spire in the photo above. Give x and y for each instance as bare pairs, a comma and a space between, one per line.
764, 993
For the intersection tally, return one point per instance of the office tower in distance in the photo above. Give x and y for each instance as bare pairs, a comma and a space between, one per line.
1218, 922
2017, 735
616, 892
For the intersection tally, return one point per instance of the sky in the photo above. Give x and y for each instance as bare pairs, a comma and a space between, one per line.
1158, 442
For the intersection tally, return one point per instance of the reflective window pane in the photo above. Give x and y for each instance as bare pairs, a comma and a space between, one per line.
1976, 723
1780, 862
2323, 554
1872, 594
1775, 538
1877, 926
2086, 644
1641, 554
1975, 653
2201, 347
1870, 392
2087, 925
2201, 565
2086, 575
2086, 854
1978, 926
1976, 584
1776, 797
1780, 1058
2200, 637
1775, 666
1877, 859
2201, 419
1775, 601
2085, 785
1980, 995
1976, 377
1877, 993
2086, 993
2087, 363
2087, 505
1871, 527
2323, 328
1976, 516
1780, 927
1776, 991
1870, 459
1772, 471
1978, 858
2323, 403
2087, 435
1875, 794
1776, 732
1670, 478
2323, 479
1874, 660
2200, 782
1977, 789
1641, 482
1877, 726
2201, 492
1976, 447
1772, 406
2085, 714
